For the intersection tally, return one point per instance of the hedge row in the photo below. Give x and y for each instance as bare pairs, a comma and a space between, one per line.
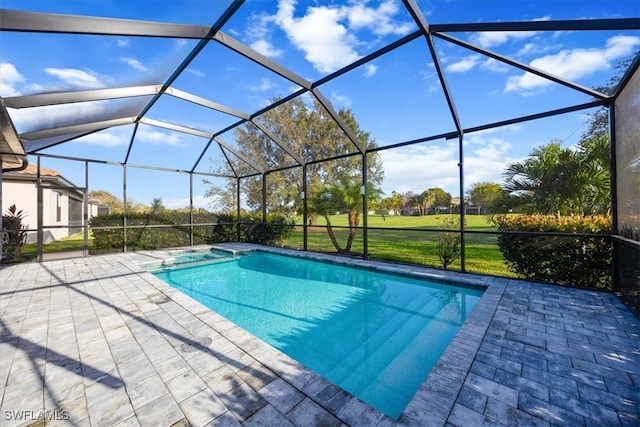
162, 230
584, 261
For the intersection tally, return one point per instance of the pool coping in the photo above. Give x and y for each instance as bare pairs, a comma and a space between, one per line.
434, 400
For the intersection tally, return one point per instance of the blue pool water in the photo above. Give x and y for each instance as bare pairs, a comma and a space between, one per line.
376, 335
186, 257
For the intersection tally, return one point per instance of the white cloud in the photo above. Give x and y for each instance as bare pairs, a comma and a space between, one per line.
325, 41
379, 20
123, 42
134, 63
497, 38
75, 78
340, 100
530, 49
258, 33
478, 137
573, 64
34, 88
417, 167
9, 78
370, 70
327, 34
178, 203
196, 72
265, 48
495, 66
265, 85
107, 138
154, 136
465, 64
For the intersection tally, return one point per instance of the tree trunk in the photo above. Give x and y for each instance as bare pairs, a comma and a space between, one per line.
332, 235
353, 224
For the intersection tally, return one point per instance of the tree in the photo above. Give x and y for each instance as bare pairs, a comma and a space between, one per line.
427, 200
484, 194
157, 205
599, 121
393, 203
441, 197
422, 202
107, 199
342, 195
310, 134
113, 202
562, 181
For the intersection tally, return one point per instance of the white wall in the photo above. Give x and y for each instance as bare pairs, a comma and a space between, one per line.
25, 197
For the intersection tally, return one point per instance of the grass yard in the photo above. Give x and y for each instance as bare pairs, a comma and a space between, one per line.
410, 239
72, 243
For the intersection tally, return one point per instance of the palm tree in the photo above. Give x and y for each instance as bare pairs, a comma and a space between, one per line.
343, 195
563, 181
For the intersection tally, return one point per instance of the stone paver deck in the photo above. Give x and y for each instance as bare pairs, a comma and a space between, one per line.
99, 341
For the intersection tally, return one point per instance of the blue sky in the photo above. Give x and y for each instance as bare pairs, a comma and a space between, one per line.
396, 97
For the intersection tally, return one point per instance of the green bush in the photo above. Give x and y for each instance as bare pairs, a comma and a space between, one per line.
448, 243
583, 261
165, 229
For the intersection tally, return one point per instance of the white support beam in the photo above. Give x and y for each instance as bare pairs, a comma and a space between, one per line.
76, 129
45, 99
37, 22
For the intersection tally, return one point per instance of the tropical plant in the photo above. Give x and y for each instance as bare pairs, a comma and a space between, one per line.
562, 181
14, 232
341, 195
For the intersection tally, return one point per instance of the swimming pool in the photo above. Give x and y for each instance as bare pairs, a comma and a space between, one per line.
374, 334
192, 256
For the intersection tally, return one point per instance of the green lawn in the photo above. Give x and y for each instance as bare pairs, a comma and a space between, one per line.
415, 246
72, 243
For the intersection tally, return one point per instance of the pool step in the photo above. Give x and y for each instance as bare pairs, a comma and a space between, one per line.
403, 325
399, 373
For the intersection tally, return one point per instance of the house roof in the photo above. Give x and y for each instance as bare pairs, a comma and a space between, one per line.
32, 169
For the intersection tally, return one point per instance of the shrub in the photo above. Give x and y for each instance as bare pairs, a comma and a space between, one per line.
14, 233
449, 241
164, 229
583, 261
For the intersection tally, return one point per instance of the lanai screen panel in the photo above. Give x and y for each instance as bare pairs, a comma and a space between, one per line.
243, 54
627, 131
418, 93
108, 145
315, 39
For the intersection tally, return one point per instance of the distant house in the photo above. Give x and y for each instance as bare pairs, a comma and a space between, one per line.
62, 202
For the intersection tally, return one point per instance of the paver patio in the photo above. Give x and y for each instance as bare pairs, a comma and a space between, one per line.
99, 341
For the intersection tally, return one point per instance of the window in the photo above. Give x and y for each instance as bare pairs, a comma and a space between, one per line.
58, 207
